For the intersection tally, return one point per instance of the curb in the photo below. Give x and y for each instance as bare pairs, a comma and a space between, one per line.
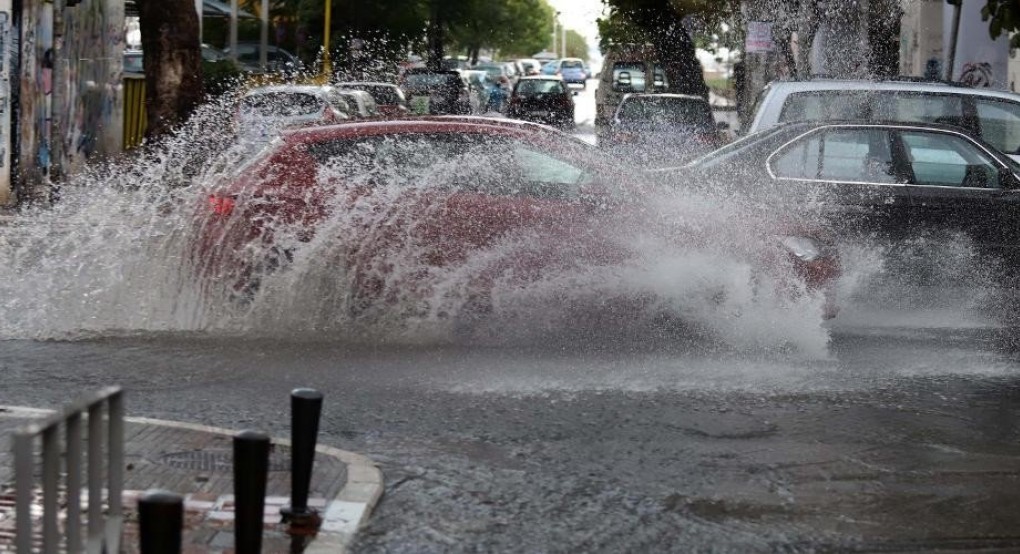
343, 517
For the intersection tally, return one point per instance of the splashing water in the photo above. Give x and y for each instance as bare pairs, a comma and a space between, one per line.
116, 256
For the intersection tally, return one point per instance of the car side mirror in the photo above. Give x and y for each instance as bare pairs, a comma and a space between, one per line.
1008, 180
575, 93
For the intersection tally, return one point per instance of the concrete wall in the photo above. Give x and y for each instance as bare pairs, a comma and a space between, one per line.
92, 117
921, 43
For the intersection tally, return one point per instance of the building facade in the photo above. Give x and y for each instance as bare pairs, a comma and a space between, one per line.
61, 91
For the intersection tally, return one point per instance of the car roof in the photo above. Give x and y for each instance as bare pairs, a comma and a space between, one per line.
825, 84
308, 89
808, 125
418, 124
541, 78
365, 84
664, 95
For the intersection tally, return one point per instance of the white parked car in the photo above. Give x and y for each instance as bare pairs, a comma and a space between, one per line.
990, 114
264, 111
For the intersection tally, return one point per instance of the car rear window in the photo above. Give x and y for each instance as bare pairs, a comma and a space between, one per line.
572, 64
285, 104
666, 110
529, 87
635, 71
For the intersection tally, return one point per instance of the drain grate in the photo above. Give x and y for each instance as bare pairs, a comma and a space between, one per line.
218, 461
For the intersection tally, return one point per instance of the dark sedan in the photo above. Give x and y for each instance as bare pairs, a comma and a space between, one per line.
542, 100
883, 182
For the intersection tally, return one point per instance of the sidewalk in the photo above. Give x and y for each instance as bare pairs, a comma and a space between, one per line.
195, 461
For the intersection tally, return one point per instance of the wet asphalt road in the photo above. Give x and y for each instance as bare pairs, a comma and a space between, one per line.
903, 438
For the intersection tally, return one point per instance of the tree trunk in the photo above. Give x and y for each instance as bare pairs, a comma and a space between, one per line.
435, 36
675, 50
173, 62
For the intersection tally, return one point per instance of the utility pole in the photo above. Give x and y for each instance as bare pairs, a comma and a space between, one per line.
233, 30
264, 42
954, 35
556, 22
563, 34
59, 84
327, 65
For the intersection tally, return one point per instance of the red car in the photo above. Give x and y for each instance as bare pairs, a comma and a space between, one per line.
437, 213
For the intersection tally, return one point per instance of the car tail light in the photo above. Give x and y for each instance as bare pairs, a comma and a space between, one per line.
221, 205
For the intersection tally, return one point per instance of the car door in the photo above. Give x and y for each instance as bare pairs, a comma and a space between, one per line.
848, 175
958, 187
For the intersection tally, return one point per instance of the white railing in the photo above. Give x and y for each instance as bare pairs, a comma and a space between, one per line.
104, 533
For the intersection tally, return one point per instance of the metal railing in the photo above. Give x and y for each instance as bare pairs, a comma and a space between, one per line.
104, 533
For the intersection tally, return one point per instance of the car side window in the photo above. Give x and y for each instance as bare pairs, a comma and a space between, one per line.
848, 155
1000, 123
546, 176
947, 160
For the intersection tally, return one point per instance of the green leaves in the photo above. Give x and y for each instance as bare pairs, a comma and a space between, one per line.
1003, 16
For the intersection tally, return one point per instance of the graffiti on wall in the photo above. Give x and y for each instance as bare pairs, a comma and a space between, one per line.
94, 32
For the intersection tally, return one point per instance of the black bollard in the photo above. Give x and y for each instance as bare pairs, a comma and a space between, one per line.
305, 409
251, 468
160, 522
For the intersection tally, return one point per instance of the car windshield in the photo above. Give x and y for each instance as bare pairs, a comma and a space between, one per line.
539, 86
281, 104
493, 71
666, 111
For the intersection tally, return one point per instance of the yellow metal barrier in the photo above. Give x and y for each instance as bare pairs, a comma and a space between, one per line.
135, 118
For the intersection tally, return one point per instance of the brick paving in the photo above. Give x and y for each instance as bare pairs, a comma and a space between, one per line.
196, 464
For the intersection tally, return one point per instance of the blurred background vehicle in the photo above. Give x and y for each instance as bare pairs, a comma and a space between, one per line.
542, 99
480, 87
389, 99
362, 103
264, 111
665, 128
436, 92
277, 59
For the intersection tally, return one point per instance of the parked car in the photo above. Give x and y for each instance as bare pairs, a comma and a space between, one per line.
664, 127
361, 103
990, 114
495, 70
531, 66
277, 59
881, 182
481, 88
134, 59
436, 92
571, 69
397, 216
264, 111
388, 97
542, 99
626, 70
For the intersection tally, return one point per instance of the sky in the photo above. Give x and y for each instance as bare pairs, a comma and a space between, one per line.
580, 15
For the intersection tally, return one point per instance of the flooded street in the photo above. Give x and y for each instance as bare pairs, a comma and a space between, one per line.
710, 409
901, 437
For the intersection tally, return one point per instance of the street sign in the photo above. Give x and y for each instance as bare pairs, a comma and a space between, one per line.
759, 37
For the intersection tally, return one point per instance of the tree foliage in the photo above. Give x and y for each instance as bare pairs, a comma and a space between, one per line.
1003, 16
577, 46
